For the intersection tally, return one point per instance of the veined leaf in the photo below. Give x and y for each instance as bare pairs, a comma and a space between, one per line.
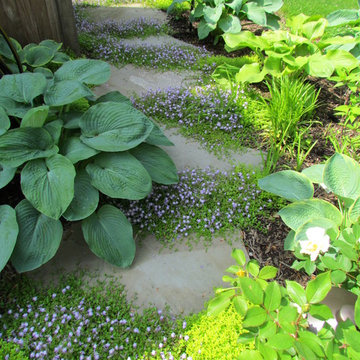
6, 175
38, 240
317, 289
157, 137
75, 150
4, 121
14, 108
114, 96
37, 56
35, 117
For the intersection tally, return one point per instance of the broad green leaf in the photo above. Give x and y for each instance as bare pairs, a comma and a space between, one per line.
268, 272
51, 44
230, 24
23, 87
272, 5
255, 316
38, 240
267, 352
54, 128
281, 341
253, 268
272, 296
297, 214
343, 16
172, 5
246, 338
6, 175
66, 92
35, 117
204, 29
338, 277
342, 176
109, 236
240, 305
119, 175
48, 184
288, 184
296, 292
352, 338
157, 137
114, 96
5, 50
14, 108
236, 5
287, 317
314, 29
94, 72
250, 355
212, 14
273, 65
315, 173
317, 289
86, 198
60, 58
319, 66
357, 312
255, 13
289, 242
220, 303
252, 290
4, 121
22, 144
272, 21
114, 127
268, 329
305, 351
72, 119
37, 56
244, 39
9, 230
239, 256
321, 312
250, 73
75, 150
157, 163
342, 59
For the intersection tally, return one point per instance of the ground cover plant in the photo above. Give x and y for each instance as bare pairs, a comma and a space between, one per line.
203, 202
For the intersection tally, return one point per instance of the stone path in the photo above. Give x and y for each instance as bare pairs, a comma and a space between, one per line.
181, 278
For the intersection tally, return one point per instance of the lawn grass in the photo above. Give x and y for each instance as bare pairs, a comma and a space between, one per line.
318, 7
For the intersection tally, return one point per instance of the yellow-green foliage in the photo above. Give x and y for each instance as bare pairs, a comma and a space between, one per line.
215, 337
11, 351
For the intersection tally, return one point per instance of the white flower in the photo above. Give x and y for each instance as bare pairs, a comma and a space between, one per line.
317, 241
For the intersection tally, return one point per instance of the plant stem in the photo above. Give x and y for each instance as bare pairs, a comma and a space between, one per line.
14, 52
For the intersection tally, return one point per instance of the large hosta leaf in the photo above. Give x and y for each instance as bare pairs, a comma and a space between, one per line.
343, 16
157, 163
9, 230
23, 87
6, 175
35, 117
157, 137
119, 175
72, 119
87, 71
51, 44
6, 51
86, 198
38, 240
22, 144
66, 92
113, 126
109, 236
4, 121
38, 56
289, 184
14, 108
342, 176
114, 96
75, 150
54, 128
255, 13
49, 184
230, 24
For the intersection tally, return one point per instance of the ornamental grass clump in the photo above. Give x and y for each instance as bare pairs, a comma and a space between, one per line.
219, 119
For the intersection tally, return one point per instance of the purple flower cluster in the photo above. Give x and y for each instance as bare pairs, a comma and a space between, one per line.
203, 202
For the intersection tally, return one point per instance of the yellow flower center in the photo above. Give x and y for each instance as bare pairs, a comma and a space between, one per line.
240, 273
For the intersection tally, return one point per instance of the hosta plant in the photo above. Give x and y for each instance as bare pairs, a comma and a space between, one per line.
323, 236
219, 17
64, 158
277, 317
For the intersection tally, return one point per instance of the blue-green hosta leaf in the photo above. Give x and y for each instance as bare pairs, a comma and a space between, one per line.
72, 119
343, 16
9, 230
296, 214
109, 236
342, 176
288, 184
94, 72
51, 44
49, 184
157, 163
236, 5
114, 96
212, 14
38, 56
23, 87
6, 175
66, 92
315, 173
14, 108
119, 175
38, 240
35, 117
45, 71
157, 137
272, 21
60, 58
272, 5
22, 144
354, 212
86, 198
4, 121
230, 24
54, 128
204, 29
5, 51
75, 150
113, 127
255, 13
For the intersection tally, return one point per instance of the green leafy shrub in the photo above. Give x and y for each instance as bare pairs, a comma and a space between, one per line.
323, 236
223, 16
11, 351
65, 157
276, 317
